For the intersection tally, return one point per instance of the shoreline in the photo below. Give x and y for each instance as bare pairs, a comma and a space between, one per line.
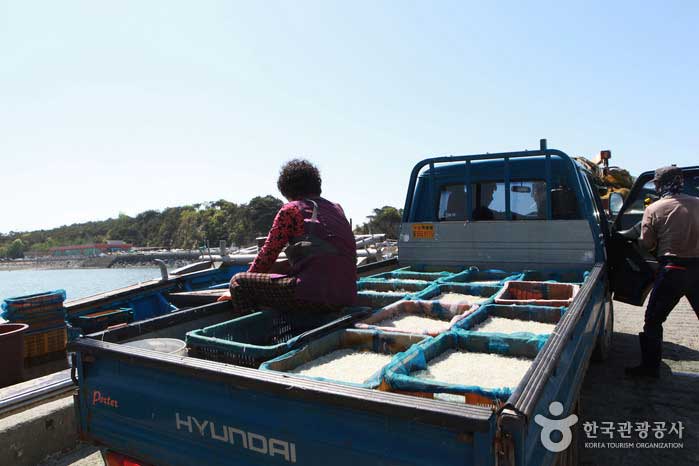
172, 259
77, 264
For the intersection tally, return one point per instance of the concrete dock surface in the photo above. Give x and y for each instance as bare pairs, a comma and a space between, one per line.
83, 455
607, 396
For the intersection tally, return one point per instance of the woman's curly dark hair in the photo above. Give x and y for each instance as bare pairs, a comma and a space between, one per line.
299, 178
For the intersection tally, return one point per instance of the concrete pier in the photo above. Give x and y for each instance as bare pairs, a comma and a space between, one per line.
29, 436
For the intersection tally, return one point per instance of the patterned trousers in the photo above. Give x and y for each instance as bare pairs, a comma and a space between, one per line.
256, 291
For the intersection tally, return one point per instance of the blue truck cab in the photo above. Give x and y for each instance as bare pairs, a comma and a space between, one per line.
532, 215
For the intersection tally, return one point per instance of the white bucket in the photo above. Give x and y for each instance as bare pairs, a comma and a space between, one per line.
162, 345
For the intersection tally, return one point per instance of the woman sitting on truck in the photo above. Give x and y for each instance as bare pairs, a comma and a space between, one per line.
321, 252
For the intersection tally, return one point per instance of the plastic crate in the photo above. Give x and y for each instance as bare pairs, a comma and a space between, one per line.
44, 342
252, 339
399, 375
96, 321
449, 315
409, 287
359, 340
543, 314
34, 310
487, 277
485, 292
411, 275
421, 270
563, 276
377, 293
537, 293
381, 274
378, 299
34, 301
44, 324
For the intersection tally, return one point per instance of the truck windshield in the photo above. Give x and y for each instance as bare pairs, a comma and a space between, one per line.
527, 201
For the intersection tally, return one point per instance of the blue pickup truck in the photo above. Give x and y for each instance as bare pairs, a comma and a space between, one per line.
531, 216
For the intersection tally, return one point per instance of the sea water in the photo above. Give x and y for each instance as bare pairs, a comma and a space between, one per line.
78, 283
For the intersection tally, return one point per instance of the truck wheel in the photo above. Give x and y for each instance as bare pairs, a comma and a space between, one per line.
604, 340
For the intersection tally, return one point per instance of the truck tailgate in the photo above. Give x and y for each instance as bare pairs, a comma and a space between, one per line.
174, 410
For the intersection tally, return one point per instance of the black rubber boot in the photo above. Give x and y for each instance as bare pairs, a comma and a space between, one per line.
650, 359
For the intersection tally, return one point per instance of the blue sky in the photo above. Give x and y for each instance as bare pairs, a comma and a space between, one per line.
109, 107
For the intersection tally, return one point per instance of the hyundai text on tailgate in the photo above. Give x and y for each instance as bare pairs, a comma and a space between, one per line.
473, 351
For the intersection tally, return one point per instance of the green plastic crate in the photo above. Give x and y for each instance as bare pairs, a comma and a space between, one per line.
255, 338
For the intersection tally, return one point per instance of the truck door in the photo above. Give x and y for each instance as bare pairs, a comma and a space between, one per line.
632, 268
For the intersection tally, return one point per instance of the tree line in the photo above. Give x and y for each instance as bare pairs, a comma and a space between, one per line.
384, 220
185, 227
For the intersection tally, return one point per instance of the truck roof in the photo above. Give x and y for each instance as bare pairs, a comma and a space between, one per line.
492, 169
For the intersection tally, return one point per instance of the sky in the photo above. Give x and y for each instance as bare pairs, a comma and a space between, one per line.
121, 107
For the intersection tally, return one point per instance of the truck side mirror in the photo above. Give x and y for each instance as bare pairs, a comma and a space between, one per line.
616, 201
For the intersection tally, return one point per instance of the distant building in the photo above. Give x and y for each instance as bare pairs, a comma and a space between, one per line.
116, 242
91, 249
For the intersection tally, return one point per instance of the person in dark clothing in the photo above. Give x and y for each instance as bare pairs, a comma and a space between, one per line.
321, 252
670, 227
485, 193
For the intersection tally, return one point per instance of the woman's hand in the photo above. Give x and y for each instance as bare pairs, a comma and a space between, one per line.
224, 297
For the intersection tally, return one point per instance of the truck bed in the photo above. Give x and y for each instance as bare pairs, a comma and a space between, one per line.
166, 409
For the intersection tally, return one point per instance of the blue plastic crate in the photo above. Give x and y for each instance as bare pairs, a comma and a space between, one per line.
357, 340
473, 274
398, 376
100, 320
448, 315
486, 292
544, 314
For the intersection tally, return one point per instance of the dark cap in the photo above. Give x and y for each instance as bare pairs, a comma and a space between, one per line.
665, 174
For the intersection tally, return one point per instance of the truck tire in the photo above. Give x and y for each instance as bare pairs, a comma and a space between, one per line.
603, 344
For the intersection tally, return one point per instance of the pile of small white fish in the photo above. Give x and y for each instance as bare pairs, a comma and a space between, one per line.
405, 280
399, 291
396, 292
504, 325
478, 369
414, 323
345, 365
454, 298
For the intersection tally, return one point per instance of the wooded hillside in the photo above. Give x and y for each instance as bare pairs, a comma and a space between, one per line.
186, 227
175, 227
